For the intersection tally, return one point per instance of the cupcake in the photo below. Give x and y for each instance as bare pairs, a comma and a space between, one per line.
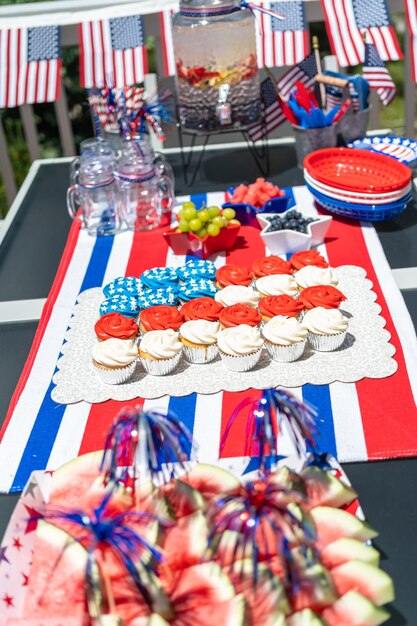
237, 294
233, 275
276, 285
322, 295
307, 257
310, 276
199, 338
240, 347
326, 328
159, 277
197, 268
167, 296
115, 325
160, 351
114, 360
270, 306
202, 309
267, 265
126, 305
124, 285
199, 288
239, 314
160, 317
285, 338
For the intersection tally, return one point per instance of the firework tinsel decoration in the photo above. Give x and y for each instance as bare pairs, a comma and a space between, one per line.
148, 444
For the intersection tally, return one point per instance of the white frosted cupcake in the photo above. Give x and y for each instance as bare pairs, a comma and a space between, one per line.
277, 285
240, 347
160, 351
310, 276
199, 339
326, 328
237, 294
115, 359
285, 338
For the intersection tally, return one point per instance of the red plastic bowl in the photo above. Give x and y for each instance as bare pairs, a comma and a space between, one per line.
184, 243
357, 170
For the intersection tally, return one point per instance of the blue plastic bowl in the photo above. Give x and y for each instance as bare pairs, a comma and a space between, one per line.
275, 205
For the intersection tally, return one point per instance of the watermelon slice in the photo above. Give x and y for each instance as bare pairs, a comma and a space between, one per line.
332, 524
304, 618
315, 589
186, 542
353, 609
182, 499
347, 549
368, 580
324, 489
211, 481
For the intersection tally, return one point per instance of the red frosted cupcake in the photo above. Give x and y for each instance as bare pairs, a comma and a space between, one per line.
271, 306
115, 326
267, 265
325, 296
239, 314
202, 309
160, 317
233, 275
307, 257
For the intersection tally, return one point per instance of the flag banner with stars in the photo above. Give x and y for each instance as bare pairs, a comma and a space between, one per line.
358, 421
411, 15
272, 113
377, 75
347, 19
112, 52
282, 42
305, 71
30, 65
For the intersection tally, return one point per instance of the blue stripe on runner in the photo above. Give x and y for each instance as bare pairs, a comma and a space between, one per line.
184, 408
50, 414
319, 397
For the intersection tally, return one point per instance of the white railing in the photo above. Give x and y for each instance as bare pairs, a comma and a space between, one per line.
68, 13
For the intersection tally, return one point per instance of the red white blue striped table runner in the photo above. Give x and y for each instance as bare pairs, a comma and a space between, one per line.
368, 420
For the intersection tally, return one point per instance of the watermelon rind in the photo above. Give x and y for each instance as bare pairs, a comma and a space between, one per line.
370, 581
332, 524
268, 590
307, 617
325, 489
182, 499
353, 609
347, 549
210, 480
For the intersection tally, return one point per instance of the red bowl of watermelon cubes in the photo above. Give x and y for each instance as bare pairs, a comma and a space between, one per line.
261, 196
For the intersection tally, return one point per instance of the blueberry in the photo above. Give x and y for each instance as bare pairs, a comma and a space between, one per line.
291, 214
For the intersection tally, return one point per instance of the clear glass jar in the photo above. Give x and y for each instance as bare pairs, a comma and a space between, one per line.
217, 71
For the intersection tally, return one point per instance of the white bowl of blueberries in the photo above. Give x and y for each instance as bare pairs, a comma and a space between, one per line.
291, 231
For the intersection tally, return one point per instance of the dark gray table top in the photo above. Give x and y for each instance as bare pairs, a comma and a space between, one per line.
32, 252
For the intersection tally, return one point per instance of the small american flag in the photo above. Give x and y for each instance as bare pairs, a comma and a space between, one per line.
271, 110
344, 20
112, 52
305, 71
377, 75
30, 65
166, 42
411, 15
286, 41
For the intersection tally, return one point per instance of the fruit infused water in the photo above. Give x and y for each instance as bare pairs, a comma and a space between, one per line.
217, 75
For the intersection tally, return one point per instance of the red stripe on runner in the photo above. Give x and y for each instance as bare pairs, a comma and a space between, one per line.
149, 249
235, 444
43, 322
388, 410
249, 246
100, 419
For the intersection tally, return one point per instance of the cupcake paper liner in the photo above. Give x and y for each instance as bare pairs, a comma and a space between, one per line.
202, 355
326, 343
285, 354
242, 363
115, 375
160, 367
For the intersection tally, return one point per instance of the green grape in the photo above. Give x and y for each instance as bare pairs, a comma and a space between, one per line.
202, 232
213, 211
183, 226
203, 215
188, 205
213, 230
195, 224
235, 222
189, 213
219, 221
229, 214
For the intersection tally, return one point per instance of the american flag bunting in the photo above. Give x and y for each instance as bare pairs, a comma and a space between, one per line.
273, 115
112, 52
30, 65
305, 71
411, 15
282, 42
377, 75
344, 21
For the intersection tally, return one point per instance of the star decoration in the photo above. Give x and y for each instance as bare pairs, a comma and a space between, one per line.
289, 241
17, 543
3, 556
30, 488
8, 600
34, 516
